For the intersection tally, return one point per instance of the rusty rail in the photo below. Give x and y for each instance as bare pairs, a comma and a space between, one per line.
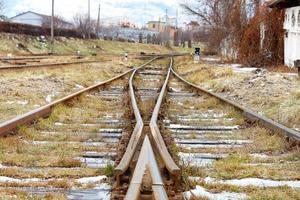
45, 65
146, 161
146, 164
275, 126
44, 111
135, 137
155, 132
35, 57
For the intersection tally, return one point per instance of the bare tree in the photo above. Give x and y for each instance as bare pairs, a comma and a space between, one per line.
59, 22
148, 39
81, 22
223, 16
141, 38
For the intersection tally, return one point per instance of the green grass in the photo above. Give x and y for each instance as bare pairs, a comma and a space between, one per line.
109, 170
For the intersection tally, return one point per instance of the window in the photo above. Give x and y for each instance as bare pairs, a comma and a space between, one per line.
153, 26
293, 19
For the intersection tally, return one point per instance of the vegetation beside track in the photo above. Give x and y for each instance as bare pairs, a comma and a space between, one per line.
30, 44
275, 95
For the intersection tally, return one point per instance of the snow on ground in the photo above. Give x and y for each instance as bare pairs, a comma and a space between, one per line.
90, 180
202, 192
256, 182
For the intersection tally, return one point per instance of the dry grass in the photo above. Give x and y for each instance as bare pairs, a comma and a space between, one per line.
74, 173
264, 140
275, 95
26, 90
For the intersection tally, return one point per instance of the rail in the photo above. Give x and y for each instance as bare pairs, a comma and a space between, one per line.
136, 136
45, 65
155, 132
146, 164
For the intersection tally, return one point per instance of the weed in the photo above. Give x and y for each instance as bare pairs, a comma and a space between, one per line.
108, 170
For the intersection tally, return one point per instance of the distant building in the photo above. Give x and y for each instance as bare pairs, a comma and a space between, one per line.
36, 19
292, 27
192, 25
161, 26
127, 24
158, 26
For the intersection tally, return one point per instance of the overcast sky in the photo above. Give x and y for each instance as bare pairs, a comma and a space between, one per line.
138, 11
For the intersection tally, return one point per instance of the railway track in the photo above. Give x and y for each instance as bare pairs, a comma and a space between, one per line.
162, 133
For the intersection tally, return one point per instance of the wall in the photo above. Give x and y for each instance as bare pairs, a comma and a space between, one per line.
292, 37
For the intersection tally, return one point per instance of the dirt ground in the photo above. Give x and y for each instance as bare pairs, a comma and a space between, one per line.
275, 95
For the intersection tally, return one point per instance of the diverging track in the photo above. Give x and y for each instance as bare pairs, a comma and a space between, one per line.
146, 156
155, 132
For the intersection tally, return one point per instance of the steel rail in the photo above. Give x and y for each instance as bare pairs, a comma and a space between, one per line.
156, 135
45, 65
146, 164
44, 111
136, 136
146, 159
275, 126
166, 55
34, 57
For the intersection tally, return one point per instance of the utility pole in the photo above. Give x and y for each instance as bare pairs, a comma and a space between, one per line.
52, 28
176, 18
167, 29
98, 21
89, 19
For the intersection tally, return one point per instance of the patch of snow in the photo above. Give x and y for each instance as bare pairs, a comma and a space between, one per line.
98, 81
66, 142
100, 192
257, 155
256, 182
5, 179
36, 106
202, 192
49, 98
96, 162
23, 103
79, 86
91, 180
199, 159
58, 124
179, 126
209, 59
